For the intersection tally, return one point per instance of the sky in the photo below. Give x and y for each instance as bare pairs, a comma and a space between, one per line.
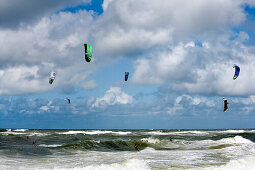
179, 55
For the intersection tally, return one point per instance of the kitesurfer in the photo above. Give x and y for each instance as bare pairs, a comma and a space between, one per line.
170, 138
225, 105
136, 147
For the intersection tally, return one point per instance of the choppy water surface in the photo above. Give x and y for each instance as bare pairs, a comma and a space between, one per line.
114, 149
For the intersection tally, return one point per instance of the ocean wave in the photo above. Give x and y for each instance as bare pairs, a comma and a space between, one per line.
10, 132
229, 141
234, 131
192, 132
235, 140
113, 145
212, 144
50, 146
96, 132
155, 143
151, 140
158, 133
178, 133
20, 130
38, 134
244, 163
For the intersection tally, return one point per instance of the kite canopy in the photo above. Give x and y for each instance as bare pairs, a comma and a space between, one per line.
52, 77
225, 105
237, 71
88, 52
126, 76
68, 100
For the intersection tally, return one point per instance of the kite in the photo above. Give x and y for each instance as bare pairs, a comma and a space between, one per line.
68, 100
52, 77
225, 105
237, 71
126, 76
88, 52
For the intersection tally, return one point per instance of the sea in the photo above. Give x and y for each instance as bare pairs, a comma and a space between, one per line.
114, 149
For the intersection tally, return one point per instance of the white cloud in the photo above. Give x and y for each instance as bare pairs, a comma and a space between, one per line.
22, 79
181, 15
21, 12
90, 85
161, 67
246, 101
106, 3
202, 70
186, 104
162, 30
112, 96
53, 44
47, 107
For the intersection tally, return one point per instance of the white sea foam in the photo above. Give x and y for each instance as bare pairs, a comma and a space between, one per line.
240, 164
71, 132
158, 133
192, 132
151, 140
178, 133
235, 140
148, 150
20, 130
133, 164
94, 132
9, 131
84, 132
38, 134
23, 132
247, 163
130, 164
233, 131
243, 144
229, 140
122, 133
50, 146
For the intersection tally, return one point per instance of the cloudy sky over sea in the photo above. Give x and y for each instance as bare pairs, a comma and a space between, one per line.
179, 55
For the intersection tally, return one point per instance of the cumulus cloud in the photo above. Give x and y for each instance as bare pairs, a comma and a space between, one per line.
116, 102
186, 104
112, 96
20, 12
165, 66
184, 17
165, 43
159, 36
202, 70
29, 54
17, 80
